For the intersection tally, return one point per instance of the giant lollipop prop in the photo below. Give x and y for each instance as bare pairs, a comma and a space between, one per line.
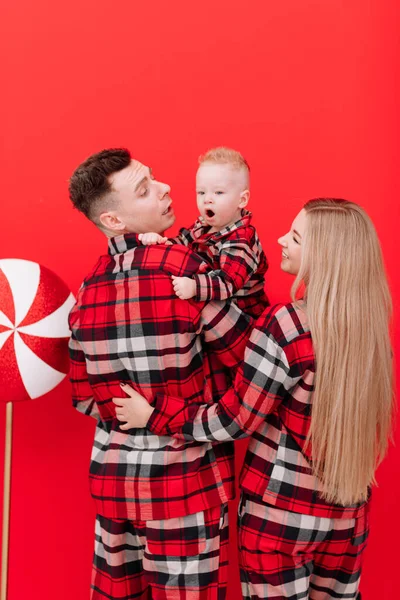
34, 307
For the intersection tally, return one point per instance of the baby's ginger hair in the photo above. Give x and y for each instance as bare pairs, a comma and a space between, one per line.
226, 156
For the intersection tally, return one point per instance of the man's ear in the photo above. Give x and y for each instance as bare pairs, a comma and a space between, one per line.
244, 198
112, 222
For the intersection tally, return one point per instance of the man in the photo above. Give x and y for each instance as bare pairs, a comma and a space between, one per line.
161, 503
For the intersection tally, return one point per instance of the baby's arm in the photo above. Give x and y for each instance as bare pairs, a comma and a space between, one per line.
184, 237
239, 258
238, 262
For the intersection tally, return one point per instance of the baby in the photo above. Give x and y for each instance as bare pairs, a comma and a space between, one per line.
223, 236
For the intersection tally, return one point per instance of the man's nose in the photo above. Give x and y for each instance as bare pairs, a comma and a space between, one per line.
164, 189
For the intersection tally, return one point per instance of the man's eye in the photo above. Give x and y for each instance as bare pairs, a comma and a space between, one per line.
144, 192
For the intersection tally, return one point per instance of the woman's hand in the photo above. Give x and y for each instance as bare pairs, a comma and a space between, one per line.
134, 411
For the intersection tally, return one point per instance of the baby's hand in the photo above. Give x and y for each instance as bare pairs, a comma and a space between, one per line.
184, 287
150, 238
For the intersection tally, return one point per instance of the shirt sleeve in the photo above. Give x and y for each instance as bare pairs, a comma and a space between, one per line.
225, 330
238, 262
82, 393
184, 237
261, 384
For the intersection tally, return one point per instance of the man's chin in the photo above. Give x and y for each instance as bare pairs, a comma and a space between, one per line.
171, 221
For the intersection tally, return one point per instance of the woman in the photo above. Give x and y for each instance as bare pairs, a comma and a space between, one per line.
315, 391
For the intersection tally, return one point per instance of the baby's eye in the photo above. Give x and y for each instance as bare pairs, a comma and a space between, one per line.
219, 192
200, 193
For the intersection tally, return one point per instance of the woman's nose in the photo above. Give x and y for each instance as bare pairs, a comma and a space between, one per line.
282, 241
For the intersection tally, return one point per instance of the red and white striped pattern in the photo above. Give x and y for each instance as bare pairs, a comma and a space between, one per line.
34, 307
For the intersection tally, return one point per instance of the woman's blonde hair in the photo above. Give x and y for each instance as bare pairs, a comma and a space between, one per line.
348, 306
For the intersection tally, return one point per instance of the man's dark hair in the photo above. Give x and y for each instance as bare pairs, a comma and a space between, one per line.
89, 182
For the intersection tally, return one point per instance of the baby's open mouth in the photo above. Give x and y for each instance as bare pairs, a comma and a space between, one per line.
209, 213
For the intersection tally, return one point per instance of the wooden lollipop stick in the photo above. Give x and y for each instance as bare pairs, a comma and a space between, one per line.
6, 502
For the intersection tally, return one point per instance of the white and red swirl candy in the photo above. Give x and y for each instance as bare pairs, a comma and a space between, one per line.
34, 307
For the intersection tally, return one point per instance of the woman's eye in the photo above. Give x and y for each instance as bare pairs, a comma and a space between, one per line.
296, 241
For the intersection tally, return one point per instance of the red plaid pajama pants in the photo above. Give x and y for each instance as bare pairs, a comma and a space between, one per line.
290, 555
184, 558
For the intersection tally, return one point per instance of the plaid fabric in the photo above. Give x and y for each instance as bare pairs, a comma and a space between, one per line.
128, 325
288, 555
270, 399
184, 558
237, 261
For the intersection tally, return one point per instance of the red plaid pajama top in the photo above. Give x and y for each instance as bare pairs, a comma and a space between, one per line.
237, 262
271, 399
129, 326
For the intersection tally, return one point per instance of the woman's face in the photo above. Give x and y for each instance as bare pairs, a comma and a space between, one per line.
291, 244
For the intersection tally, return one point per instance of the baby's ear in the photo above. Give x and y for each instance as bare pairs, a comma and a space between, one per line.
244, 198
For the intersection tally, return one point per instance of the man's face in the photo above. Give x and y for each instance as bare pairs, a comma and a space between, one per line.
142, 203
221, 194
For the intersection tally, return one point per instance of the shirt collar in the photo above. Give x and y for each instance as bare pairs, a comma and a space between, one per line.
243, 221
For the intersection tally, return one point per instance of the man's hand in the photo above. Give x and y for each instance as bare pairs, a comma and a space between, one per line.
184, 287
134, 411
150, 238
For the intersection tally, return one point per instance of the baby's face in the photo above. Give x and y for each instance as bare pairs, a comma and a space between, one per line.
222, 191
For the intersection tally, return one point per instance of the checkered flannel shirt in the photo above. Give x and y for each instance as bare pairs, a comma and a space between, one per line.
237, 261
129, 326
271, 399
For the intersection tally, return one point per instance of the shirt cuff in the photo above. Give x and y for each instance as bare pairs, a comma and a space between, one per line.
165, 408
203, 287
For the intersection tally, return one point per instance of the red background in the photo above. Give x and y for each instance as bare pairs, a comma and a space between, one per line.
307, 90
